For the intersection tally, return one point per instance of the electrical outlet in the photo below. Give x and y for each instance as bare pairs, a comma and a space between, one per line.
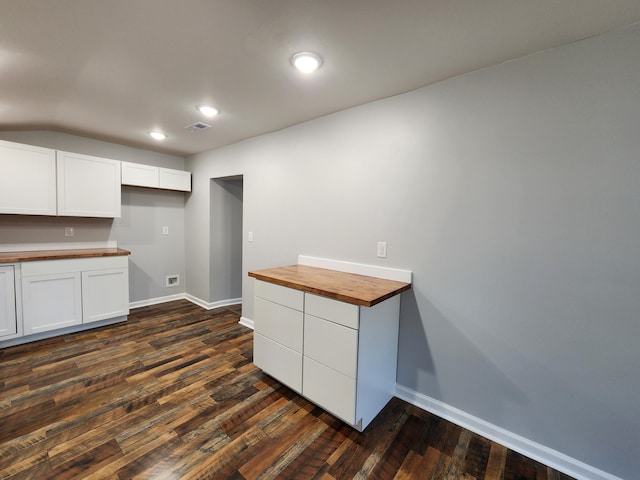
68, 231
250, 236
172, 280
165, 230
382, 249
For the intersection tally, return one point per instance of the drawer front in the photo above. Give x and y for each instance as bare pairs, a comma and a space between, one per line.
331, 344
284, 296
339, 312
279, 323
332, 390
69, 265
278, 361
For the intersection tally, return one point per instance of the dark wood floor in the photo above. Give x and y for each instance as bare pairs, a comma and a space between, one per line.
172, 393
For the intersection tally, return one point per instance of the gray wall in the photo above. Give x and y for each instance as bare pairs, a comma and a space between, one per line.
512, 193
144, 213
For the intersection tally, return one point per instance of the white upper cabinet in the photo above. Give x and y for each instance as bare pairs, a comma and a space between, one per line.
175, 180
88, 186
138, 175
27, 179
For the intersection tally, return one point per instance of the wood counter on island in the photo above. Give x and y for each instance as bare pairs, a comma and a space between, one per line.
331, 336
347, 287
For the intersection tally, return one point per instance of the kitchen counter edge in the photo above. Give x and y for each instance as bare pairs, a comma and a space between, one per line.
26, 256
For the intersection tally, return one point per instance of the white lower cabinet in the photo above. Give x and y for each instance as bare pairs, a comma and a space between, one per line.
278, 333
51, 301
105, 294
345, 354
8, 317
63, 293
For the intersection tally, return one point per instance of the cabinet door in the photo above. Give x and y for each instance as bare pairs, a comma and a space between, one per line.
330, 389
140, 175
175, 179
331, 344
28, 179
278, 361
51, 301
279, 323
105, 294
8, 321
88, 186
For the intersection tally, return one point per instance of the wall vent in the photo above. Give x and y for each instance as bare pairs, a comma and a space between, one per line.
197, 127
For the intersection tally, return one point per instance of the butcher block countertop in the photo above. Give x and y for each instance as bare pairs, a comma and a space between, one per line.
10, 257
346, 287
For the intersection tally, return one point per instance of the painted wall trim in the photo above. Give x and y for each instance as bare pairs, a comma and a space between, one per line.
157, 300
531, 449
247, 322
185, 296
212, 305
358, 268
30, 247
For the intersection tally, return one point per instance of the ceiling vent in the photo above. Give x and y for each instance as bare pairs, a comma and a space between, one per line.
197, 127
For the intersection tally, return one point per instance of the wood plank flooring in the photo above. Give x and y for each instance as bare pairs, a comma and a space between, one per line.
173, 394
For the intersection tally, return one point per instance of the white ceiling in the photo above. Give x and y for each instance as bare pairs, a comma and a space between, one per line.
115, 69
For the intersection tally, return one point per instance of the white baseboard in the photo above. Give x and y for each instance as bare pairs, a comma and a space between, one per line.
157, 300
186, 296
247, 322
557, 460
212, 305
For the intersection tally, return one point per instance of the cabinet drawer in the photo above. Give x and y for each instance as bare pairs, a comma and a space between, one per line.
279, 323
331, 390
339, 312
278, 361
68, 265
278, 294
331, 344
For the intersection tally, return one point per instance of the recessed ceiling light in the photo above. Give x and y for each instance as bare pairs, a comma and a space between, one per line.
208, 110
158, 135
306, 62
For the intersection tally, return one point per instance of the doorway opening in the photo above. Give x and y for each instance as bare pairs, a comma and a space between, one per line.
225, 255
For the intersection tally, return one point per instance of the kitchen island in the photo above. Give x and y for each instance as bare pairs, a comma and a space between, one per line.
330, 335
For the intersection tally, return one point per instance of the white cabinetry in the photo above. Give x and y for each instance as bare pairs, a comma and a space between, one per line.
8, 318
28, 179
278, 333
339, 355
175, 180
138, 175
88, 186
51, 301
105, 293
67, 292
350, 357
